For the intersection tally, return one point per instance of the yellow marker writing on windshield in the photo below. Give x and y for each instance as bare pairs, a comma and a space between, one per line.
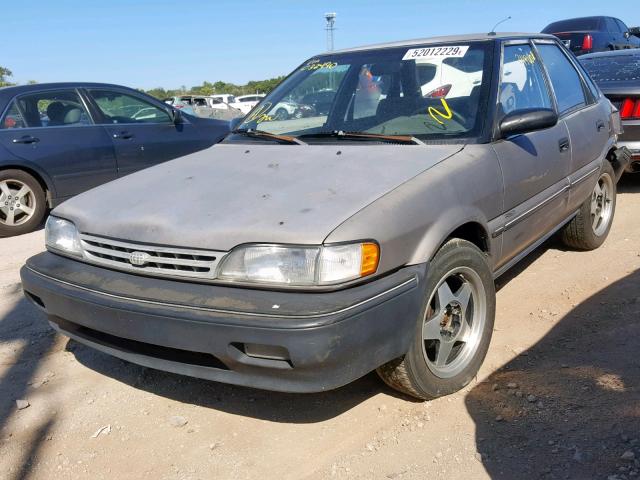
434, 111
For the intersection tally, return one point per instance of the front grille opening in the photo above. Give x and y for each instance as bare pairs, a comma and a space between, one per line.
160, 261
200, 359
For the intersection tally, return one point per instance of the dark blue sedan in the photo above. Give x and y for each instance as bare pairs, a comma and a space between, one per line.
60, 139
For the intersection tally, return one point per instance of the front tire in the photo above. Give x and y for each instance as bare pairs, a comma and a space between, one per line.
590, 227
22, 203
454, 328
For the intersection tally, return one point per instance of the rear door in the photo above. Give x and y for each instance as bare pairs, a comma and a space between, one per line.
142, 131
53, 131
535, 165
586, 118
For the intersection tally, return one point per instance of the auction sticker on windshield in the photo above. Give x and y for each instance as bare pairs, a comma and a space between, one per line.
436, 52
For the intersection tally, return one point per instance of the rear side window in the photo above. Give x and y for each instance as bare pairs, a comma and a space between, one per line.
564, 78
573, 25
13, 118
119, 107
522, 84
612, 26
61, 108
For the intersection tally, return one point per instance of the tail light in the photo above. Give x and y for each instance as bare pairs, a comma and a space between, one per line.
587, 42
630, 109
439, 92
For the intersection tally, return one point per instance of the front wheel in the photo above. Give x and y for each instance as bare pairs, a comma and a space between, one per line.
22, 203
281, 114
453, 331
590, 227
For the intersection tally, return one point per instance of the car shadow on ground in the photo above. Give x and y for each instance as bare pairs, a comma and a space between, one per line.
264, 405
569, 407
24, 330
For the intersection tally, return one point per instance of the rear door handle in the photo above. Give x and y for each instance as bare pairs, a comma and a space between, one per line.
27, 139
600, 125
563, 144
123, 135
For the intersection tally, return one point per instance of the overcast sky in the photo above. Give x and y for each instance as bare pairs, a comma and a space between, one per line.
169, 43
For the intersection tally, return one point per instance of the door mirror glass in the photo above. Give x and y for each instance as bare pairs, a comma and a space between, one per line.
528, 120
176, 116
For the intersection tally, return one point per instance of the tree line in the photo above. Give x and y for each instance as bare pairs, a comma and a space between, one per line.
207, 88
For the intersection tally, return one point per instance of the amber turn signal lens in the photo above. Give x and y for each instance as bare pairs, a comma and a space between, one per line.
370, 259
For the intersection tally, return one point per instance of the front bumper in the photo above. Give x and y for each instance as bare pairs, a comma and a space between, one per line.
285, 341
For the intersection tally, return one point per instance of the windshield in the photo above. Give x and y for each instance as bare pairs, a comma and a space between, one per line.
613, 68
430, 92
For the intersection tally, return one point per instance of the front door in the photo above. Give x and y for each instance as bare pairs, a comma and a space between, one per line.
535, 165
143, 132
53, 131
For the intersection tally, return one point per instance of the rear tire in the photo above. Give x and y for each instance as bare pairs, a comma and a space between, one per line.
590, 227
454, 328
22, 203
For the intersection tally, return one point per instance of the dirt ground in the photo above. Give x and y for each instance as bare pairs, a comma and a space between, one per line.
557, 397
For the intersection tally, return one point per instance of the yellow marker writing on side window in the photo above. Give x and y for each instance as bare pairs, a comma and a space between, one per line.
434, 111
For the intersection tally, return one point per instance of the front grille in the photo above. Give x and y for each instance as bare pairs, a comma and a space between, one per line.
151, 259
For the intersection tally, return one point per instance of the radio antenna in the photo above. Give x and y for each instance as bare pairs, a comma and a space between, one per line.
493, 30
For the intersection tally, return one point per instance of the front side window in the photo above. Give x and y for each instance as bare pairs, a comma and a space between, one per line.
431, 92
564, 78
13, 118
119, 107
61, 108
522, 84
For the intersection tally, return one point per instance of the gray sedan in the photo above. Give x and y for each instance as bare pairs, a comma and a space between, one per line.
302, 253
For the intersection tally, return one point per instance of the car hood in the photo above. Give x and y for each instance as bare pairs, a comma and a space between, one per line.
232, 194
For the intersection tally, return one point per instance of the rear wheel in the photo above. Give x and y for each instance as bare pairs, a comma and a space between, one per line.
590, 227
453, 332
22, 203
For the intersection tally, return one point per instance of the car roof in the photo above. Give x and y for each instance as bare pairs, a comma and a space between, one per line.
10, 92
448, 39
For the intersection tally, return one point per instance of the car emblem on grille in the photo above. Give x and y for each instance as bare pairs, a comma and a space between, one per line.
138, 258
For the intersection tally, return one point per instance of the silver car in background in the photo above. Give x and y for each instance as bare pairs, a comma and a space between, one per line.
302, 253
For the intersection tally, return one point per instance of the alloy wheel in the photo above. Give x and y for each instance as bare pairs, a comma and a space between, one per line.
454, 322
17, 202
602, 204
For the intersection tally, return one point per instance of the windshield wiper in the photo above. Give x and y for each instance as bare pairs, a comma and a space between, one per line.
365, 136
251, 132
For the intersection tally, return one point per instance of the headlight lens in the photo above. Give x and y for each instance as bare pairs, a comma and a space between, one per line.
300, 266
62, 236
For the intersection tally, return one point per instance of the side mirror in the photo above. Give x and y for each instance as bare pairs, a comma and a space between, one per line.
627, 35
527, 120
176, 116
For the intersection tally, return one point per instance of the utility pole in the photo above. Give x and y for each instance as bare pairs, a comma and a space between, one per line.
330, 28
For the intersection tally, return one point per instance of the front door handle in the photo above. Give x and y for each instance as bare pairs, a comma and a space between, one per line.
27, 139
563, 144
600, 125
123, 135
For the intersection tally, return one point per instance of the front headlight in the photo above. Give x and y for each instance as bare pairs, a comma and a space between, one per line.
300, 266
61, 236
